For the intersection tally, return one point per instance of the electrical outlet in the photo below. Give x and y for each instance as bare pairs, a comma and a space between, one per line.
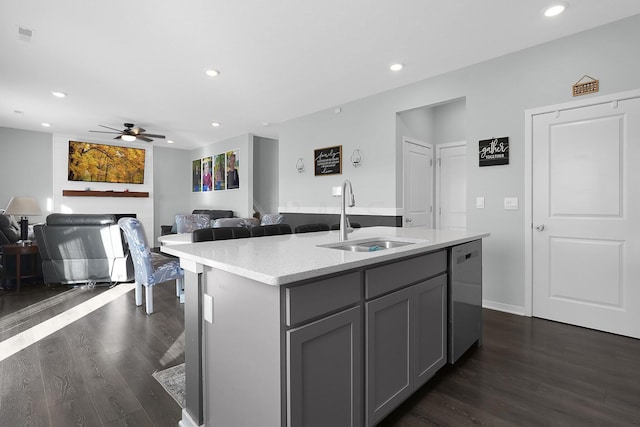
511, 203
480, 202
207, 309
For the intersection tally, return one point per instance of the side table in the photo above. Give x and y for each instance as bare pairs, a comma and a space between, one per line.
19, 251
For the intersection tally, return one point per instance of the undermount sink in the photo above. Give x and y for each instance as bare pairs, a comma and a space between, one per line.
368, 245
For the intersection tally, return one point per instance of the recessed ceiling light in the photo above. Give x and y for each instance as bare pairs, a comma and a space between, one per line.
266, 124
212, 73
396, 67
46, 124
58, 94
555, 10
215, 124
169, 141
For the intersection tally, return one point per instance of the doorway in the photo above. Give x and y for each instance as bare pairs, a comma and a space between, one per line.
451, 186
417, 183
442, 183
583, 236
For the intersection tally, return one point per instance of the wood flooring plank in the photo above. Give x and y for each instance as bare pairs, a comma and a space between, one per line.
110, 394
77, 412
135, 419
62, 381
22, 401
157, 403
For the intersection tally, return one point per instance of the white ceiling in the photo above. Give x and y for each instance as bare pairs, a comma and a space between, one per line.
143, 61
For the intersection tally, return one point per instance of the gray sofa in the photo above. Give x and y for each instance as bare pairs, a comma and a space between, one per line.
9, 230
214, 214
83, 248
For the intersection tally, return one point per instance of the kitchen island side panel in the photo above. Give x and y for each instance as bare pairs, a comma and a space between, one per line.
242, 352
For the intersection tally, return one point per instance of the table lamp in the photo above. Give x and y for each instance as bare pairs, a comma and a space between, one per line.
23, 207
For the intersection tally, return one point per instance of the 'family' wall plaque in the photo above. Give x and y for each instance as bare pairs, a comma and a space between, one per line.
328, 161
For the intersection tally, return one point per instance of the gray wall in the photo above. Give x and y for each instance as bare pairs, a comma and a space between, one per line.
26, 168
171, 185
497, 93
265, 178
450, 122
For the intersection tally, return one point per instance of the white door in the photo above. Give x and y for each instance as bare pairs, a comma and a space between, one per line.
451, 186
586, 216
418, 183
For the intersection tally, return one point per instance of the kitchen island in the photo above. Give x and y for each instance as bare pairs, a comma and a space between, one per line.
294, 331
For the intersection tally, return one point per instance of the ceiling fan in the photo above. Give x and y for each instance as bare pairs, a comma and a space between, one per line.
130, 133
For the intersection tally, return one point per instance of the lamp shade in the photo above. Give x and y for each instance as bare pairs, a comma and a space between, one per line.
23, 206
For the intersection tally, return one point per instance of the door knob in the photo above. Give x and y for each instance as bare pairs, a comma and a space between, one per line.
540, 227
408, 220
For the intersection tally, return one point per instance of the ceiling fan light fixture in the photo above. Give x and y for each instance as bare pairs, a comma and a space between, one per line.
128, 138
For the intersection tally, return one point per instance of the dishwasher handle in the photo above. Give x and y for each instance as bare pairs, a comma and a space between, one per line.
467, 256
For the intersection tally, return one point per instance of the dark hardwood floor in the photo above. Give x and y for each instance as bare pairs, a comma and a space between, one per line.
532, 372
529, 372
96, 371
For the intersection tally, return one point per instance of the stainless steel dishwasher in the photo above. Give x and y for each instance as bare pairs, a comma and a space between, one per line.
465, 298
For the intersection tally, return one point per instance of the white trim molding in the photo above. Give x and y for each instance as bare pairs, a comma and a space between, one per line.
507, 308
336, 210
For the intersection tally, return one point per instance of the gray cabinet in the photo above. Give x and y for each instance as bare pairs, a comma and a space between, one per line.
430, 308
404, 336
324, 365
324, 352
405, 330
389, 331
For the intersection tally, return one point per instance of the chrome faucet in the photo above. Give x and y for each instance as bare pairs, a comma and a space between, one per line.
345, 227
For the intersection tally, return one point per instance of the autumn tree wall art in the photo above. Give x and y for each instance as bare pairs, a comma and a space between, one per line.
105, 163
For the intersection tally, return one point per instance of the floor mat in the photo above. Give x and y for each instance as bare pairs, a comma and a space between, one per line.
172, 380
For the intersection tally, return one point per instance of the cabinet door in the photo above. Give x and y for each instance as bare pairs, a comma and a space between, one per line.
430, 350
388, 365
324, 365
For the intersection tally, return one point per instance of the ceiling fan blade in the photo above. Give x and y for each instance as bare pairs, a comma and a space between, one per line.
118, 137
103, 126
144, 138
152, 135
102, 131
137, 131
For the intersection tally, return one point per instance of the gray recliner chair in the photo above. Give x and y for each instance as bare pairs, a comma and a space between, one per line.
83, 248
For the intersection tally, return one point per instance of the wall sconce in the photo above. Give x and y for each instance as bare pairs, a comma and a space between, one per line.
300, 165
356, 158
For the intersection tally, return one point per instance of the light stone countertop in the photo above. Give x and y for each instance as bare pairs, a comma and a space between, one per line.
279, 260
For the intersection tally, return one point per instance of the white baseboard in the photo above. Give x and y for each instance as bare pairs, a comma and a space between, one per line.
186, 420
507, 308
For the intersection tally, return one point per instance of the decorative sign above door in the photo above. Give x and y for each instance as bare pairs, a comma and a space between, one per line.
492, 152
585, 85
328, 161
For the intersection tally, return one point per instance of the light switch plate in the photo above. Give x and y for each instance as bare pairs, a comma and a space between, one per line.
511, 203
480, 202
207, 309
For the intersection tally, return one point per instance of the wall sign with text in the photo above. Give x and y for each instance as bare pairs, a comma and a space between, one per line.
492, 152
328, 161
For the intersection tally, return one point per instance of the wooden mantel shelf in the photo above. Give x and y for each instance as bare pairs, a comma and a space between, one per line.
84, 193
